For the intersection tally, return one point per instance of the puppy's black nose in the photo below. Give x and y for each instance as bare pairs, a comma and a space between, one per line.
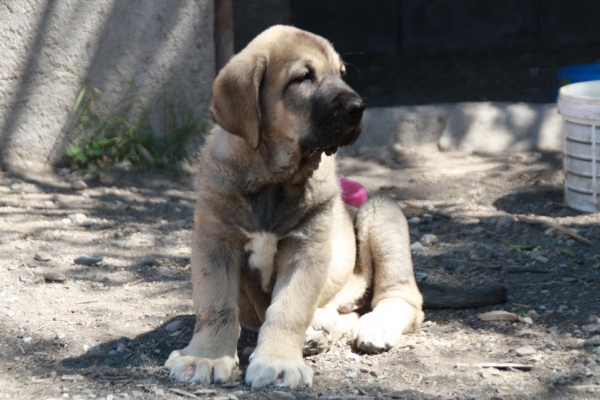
354, 108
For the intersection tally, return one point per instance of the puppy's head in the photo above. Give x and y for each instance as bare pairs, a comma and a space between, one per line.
286, 89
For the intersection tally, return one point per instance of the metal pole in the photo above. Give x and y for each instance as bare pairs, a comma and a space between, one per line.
223, 32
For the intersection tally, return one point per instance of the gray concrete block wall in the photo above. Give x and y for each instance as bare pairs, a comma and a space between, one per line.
51, 48
251, 17
468, 25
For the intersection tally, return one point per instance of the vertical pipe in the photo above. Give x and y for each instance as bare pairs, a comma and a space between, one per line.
595, 185
223, 32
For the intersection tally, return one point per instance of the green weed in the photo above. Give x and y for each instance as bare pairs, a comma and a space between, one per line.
106, 137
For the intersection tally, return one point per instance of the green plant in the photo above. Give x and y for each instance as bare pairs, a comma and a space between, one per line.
105, 136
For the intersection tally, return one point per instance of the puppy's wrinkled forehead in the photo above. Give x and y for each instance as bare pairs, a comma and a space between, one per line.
287, 47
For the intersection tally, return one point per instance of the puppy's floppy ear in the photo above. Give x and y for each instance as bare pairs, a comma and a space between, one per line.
235, 102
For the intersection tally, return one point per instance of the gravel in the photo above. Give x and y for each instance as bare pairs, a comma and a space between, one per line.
119, 305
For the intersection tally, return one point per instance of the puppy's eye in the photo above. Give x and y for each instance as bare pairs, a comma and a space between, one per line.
307, 76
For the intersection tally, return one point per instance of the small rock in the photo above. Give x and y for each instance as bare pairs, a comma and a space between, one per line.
533, 314
352, 356
428, 207
429, 239
542, 307
64, 171
440, 346
27, 339
549, 232
594, 367
414, 220
173, 326
279, 395
10, 299
78, 184
497, 315
97, 349
351, 375
86, 347
524, 333
473, 257
526, 320
417, 247
593, 341
505, 222
420, 276
15, 186
525, 351
4, 240
590, 328
597, 350
133, 189
541, 259
55, 277
137, 394
86, 259
593, 319
248, 351
205, 392
42, 256
552, 329
110, 397
77, 217
124, 165
60, 335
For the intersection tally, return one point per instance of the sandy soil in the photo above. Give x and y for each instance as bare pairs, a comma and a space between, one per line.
106, 329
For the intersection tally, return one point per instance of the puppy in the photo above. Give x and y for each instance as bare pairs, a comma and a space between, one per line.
274, 247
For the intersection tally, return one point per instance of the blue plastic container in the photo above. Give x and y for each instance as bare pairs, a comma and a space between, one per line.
575, 74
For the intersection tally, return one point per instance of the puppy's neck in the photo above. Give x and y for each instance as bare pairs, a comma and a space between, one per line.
272, 163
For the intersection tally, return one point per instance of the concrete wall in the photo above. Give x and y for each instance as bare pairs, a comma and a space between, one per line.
50, 48
483, 127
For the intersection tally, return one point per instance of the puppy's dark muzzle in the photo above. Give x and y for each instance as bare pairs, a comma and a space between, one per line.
336, 117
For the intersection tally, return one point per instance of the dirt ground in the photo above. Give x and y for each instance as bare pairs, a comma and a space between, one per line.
123, 245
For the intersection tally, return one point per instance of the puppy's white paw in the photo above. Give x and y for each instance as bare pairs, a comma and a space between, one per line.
319, 335
198, 369
382, 328
269, 369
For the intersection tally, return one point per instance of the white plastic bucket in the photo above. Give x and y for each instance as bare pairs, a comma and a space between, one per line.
579, 104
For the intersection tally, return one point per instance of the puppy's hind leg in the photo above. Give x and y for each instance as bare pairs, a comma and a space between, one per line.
384, 249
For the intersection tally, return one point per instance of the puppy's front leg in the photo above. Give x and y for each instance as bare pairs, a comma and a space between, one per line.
302, 264
212, 353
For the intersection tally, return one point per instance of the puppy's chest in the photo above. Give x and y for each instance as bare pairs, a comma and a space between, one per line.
261, 248
271, 205
272, 210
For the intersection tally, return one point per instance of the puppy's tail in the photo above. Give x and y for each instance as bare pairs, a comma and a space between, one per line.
443, 296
